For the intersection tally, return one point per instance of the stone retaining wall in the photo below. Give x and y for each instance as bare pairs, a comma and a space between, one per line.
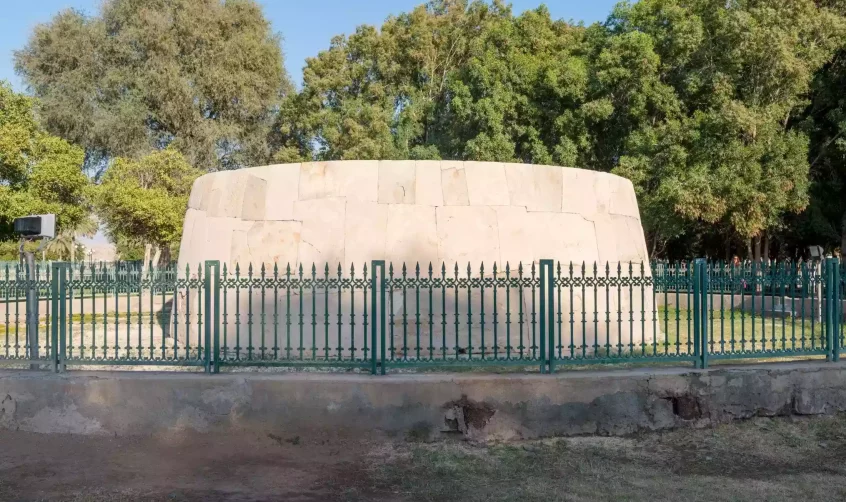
418, 406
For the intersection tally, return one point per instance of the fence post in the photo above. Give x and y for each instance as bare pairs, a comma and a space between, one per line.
377, 316
825, 307
547, 317
59, 318
542, 342
832, 304
211, 305
702, 264
697, 315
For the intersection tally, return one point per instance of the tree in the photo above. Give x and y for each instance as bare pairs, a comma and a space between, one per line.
145, 200
201, 76
379, 94
65, 244
39, 173
825, 220
715, 138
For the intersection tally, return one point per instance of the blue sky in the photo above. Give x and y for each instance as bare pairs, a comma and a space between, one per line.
306, 25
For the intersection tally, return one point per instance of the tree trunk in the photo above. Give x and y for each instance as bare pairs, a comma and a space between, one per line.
73, 251
145, 266
766, 246
757, 244
165, 259
728, 248
156, 256
749, 249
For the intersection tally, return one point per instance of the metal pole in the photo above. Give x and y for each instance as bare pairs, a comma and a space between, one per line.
31, 309
819, 291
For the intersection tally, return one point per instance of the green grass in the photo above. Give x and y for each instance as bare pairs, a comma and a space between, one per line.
111, 319
748, 333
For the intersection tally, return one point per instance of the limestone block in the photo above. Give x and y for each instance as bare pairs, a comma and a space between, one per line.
486, 184
412, 234
200, 192
606, 238
623, 201
427, 188
548, 182
603, 189
397, 182
186, 246
514, 235
449, 213
282, 190
537, 188
631, 245
467, 235
353, 180
365, 232
322, 238
268, 243
255, 194
578, 195
561, 234
454, 184
218, 244
227, 196
521, 183
544, 236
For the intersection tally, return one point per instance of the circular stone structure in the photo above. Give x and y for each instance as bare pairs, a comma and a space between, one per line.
421, 212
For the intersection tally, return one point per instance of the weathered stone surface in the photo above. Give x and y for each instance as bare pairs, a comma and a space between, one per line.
412, 234
352, 179
267, 242
365, 218
514, 406
200, 192
427, 184
486, 184
255, 193
397, 182
454, 184
468, 235
227, 194
521, 183
283, 184
443, 212
548, 183
322, 238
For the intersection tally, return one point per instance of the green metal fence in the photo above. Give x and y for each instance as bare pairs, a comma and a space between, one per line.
381, 316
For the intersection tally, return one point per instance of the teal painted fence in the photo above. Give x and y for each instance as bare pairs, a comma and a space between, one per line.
381, 316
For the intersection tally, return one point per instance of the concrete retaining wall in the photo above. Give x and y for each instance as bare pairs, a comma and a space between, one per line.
419, 406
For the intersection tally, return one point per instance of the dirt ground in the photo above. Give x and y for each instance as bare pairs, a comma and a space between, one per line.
763, 459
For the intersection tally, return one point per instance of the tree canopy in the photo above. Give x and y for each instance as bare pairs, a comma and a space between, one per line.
39, 173
144, 201
701, 103
201, 76
727, 116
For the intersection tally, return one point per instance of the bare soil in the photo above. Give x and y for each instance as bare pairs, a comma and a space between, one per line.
762, 459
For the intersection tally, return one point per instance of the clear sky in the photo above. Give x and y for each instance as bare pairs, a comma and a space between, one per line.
306, 25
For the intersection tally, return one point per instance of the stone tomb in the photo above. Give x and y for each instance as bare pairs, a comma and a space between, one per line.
443, 213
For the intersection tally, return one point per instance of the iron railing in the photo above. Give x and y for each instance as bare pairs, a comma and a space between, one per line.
382, 316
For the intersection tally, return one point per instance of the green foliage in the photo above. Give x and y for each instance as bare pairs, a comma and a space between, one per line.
39, 173
726, 116
144, 201
201, 76
699, 102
